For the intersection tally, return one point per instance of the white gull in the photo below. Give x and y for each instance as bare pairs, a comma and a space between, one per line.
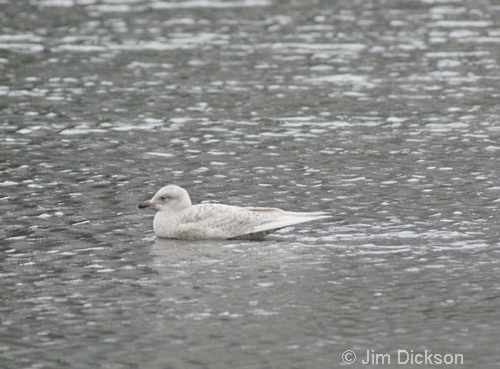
178, 218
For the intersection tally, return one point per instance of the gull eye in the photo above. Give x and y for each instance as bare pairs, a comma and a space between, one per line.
164, 198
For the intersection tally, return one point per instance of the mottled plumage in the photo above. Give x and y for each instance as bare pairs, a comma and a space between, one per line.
177, 218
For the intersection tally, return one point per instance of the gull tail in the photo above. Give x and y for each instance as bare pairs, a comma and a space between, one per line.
288, 218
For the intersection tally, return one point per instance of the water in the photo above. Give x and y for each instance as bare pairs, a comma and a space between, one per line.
384, 114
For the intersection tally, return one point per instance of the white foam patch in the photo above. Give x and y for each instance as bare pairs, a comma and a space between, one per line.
210, 4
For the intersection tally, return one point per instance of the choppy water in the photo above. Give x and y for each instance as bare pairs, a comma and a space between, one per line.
385, 114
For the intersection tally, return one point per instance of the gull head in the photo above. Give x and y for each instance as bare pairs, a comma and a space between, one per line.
170, 198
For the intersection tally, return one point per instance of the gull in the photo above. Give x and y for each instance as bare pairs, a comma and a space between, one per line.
177, 218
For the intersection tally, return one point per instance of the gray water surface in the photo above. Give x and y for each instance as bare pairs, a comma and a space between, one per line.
384, 114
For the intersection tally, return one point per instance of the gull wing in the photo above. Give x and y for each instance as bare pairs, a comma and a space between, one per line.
224, 221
